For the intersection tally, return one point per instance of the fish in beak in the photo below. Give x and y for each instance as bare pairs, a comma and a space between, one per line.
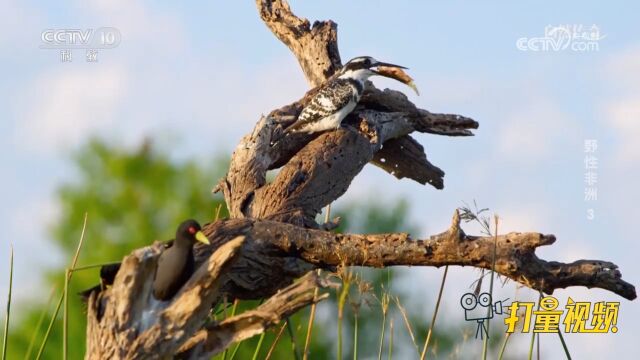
200, 236
395, 72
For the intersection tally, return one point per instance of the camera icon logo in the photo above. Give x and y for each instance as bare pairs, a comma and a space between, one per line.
480, 308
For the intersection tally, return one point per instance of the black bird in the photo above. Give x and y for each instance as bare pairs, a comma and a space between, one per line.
184, 232
176, 264
107, 275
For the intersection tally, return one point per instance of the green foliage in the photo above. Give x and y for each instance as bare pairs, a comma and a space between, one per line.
132, 197
135, 196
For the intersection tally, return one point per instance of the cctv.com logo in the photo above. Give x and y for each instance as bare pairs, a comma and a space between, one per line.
485, 310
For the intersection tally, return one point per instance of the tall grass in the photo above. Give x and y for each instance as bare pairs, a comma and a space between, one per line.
67, 278
485, 343
407, 323
275, 341
43, 315
258, 346
355, 336
5, 337
48, 332
384, 305
233, 313
347, 279
504, 345
533, 333
63, 298
292, 336
312, 314
435, 313
390, 338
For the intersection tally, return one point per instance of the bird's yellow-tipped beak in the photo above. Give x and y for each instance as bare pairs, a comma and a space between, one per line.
200, 236
396, 72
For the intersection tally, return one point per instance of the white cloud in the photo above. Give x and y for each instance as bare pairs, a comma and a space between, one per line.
63, 107
32, 250
18, 21
623, 116
622, 111
529, 132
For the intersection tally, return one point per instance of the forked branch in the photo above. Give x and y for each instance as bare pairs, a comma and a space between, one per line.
272, 238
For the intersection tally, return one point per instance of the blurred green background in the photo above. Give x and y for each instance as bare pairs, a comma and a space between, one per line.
134, 196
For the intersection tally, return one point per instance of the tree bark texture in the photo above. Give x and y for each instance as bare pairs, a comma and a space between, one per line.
272, 237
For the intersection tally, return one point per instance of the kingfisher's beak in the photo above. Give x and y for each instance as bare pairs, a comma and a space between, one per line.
379, 63
395, 72
200, 236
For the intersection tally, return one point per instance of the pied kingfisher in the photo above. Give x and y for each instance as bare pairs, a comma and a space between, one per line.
339, 96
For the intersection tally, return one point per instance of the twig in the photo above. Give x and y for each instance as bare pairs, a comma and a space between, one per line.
275, 342
407, 324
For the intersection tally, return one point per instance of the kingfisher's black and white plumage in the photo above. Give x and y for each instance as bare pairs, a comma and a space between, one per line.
339, 96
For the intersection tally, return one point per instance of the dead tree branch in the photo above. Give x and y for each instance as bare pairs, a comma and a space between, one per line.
273, 239
125, 321
216, 337
515, 255
316, 170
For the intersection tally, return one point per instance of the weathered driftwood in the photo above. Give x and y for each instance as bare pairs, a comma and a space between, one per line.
272, 237
515, 255
215, 337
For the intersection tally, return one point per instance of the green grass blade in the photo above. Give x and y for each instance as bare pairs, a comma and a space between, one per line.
533, 341
235, 350
390, 338
407, 323
355, 337
62, 298
93, 266
504, 345
485, 342
533, 334
275, 342
384, 304
43, 315
67, 278
292, 336
258, 347
312, 315
435, 313
65, 313
342, 299
5, 339
339, 338
233, 313
46, 335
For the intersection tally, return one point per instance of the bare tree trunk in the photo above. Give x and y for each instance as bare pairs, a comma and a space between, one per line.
273, 238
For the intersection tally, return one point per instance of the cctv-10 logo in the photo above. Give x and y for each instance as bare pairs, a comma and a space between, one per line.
579, 317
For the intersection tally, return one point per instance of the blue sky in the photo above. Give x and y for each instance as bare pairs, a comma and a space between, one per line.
216, 67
